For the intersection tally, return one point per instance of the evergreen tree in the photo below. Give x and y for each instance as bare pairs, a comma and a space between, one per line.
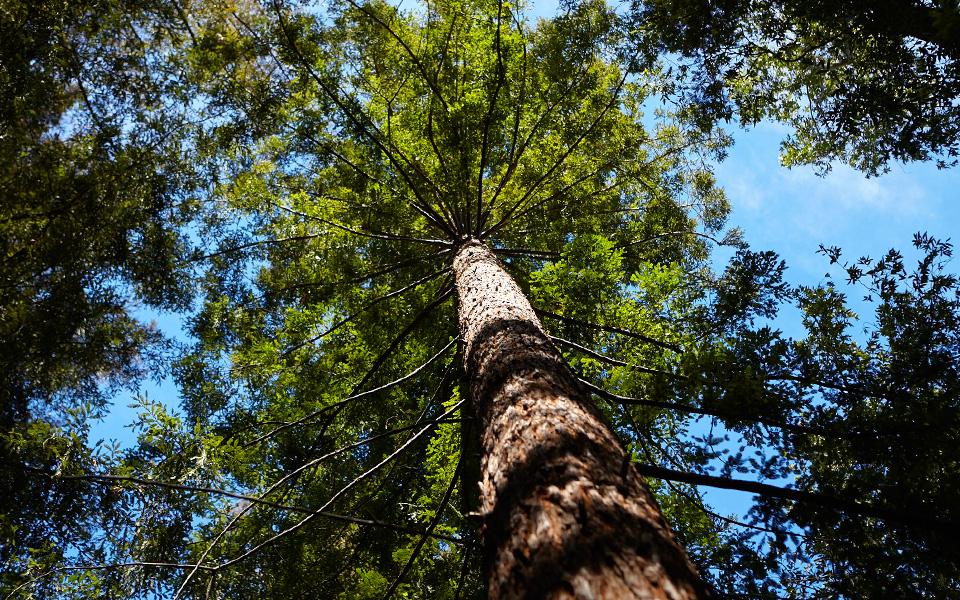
94, 190
347, 430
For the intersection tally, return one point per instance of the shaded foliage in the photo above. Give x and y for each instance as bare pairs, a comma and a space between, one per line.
866, 83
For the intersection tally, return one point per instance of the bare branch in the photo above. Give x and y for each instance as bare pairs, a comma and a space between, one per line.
357, 395
363, 309
429, 530
488, 118
612, 361
340, 492
101, 567
669, 234
795, 428
544, 254
610, 329
294, 238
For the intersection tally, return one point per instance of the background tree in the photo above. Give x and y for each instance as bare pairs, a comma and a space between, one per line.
94, 192
861, 82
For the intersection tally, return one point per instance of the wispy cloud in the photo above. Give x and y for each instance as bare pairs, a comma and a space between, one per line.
792, 211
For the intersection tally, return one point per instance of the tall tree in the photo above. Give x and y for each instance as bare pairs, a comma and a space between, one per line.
459, 124
368, 165
564, 513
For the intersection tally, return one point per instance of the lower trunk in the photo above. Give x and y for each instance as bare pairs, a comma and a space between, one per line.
565, 513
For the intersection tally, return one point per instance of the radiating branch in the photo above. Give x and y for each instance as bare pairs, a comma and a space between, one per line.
369, 234
609, 329
658, 236
794, 428
431, 82
488, 118
544, 254
356, 395
363, 476
386, 270
260, 500
561, 159
241, 247
427, 532
517, 153
612, 361
371, 131
363, 309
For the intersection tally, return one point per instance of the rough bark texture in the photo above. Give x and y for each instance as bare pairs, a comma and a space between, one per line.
565, 513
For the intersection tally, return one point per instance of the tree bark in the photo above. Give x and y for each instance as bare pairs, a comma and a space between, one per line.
565, 514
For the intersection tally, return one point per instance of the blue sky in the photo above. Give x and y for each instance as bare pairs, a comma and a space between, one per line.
792, 211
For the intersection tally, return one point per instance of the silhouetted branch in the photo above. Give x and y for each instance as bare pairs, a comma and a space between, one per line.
544, 254
618, 399
339, 493
100, 567
358, 395
914, 518
259, 500
612, 361
669, 234
562, 158
363, 309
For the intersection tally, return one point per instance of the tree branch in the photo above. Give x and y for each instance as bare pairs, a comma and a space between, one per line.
909, 518
339, 493
618, 399
427, 532
612, 361
609, 329
363, 309
101, 567
357, 395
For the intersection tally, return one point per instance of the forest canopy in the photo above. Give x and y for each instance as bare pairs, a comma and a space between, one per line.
456, 328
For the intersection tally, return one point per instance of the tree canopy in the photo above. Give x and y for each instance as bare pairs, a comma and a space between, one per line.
299, 178
866, 83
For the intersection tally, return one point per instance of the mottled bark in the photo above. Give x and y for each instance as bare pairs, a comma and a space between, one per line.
565, 514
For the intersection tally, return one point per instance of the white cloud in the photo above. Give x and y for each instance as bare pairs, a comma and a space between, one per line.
792, 211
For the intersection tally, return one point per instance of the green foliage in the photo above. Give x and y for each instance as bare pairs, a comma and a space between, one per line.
863, 82
326, 162
95, 191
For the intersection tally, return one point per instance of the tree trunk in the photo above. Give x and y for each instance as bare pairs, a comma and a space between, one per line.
565, 515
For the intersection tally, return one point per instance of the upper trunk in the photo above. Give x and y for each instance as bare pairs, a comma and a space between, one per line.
565, 513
